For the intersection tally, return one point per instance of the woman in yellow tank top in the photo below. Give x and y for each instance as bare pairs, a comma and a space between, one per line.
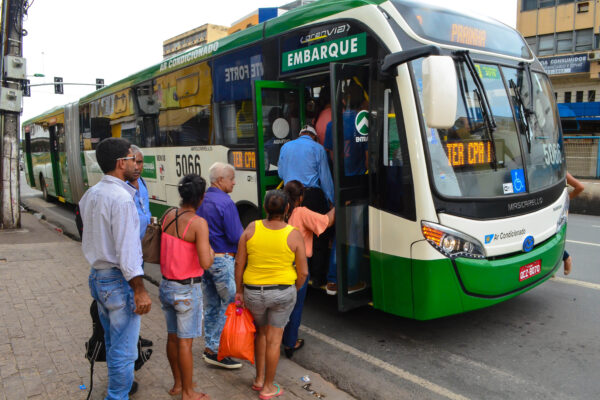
270, 266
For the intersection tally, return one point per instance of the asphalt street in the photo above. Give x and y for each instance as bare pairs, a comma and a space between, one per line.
543, 344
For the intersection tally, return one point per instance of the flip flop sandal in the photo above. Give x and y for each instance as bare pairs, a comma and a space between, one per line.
278, 393
256, 388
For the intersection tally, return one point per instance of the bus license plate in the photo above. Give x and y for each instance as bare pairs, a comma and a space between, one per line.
529, 270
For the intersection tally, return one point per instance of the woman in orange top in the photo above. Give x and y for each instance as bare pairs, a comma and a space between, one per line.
276, 268
183, 259
308, 223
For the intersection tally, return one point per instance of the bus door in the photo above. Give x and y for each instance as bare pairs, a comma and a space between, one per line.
279, 117
55, 140
348, 143
28, 160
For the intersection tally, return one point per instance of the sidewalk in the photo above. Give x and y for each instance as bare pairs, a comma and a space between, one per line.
45, 321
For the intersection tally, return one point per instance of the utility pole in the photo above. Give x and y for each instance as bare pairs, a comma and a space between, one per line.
10, 110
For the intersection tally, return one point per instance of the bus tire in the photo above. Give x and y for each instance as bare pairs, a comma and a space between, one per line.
45, 194
248, 214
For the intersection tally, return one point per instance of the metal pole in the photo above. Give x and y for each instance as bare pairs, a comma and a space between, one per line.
9, 167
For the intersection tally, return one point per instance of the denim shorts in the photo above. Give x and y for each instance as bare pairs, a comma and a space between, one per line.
270, 307
182, 306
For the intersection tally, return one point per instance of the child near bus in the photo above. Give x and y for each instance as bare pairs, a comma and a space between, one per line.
309, 223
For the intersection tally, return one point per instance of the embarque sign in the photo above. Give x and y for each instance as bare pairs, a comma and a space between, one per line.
339, 49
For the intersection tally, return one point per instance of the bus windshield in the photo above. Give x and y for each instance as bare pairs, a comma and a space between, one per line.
472, 160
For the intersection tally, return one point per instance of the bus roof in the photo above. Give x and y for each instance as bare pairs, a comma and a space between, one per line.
50, 113
291, 19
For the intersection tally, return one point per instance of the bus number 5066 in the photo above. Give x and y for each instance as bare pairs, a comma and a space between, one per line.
187, 164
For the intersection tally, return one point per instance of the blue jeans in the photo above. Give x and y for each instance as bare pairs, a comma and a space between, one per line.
218, 288
182, 307
290, 333
354, 254
121, 328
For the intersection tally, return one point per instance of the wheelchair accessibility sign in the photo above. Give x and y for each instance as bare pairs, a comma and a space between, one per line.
518, 180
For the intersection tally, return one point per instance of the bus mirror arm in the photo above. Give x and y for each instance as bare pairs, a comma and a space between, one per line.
393, 60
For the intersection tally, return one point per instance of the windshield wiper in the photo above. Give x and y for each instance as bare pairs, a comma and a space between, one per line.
486, 110
489, 130
524, 113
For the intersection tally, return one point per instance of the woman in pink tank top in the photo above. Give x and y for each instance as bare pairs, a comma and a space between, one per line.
185, 253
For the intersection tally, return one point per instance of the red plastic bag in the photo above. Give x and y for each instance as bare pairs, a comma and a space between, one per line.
237, 338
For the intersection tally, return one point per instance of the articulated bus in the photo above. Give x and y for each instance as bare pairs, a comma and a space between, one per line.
462, 202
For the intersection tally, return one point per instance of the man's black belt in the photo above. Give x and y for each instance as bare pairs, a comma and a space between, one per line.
188, 281
269, 287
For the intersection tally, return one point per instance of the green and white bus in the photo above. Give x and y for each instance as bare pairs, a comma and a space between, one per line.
462, 203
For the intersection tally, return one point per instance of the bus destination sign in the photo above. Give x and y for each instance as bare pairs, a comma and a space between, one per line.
469, 152
243, 160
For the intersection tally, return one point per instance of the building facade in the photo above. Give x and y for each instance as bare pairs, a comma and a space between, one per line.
195, 37
565, 36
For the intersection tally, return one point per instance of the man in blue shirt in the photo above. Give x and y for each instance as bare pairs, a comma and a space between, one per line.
142, 203
218, 282
305, 160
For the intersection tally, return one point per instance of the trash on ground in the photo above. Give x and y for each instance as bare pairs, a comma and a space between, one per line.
309, 390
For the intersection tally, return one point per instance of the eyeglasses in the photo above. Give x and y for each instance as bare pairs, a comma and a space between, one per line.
126, 158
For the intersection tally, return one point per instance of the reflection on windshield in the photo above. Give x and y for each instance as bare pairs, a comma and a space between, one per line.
468, 159
540, 133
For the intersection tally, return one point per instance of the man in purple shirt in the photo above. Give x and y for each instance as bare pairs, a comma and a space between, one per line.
218, 282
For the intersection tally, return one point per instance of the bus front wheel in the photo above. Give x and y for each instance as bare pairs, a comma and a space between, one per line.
45, 195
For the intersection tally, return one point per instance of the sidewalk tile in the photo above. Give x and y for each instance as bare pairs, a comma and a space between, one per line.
45, 321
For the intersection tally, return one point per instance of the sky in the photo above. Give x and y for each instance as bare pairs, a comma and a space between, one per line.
81, 40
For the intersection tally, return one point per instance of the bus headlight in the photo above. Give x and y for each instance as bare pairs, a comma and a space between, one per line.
564, 213
450, 242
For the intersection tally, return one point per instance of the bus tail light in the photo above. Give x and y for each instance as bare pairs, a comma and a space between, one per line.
450, 242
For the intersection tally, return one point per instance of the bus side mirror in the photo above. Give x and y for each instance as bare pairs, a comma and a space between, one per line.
439, 91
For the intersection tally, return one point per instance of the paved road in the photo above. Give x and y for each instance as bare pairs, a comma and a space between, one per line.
543, 344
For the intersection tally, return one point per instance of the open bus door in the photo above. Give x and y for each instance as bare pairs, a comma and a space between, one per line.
349, 140
279, 117
28, 159
55, 140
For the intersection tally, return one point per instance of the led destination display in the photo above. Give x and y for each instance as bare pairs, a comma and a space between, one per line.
465, 153
242, 159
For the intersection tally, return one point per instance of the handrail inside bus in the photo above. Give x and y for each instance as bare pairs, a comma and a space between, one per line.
392, 60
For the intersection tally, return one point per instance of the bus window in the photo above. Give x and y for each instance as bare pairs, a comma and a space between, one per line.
281, 122
188, 126
354, 98
85, 126
131, 132
232, 76
147, 99
538, 122
468, 160
147, 126
396, 186
100, 130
